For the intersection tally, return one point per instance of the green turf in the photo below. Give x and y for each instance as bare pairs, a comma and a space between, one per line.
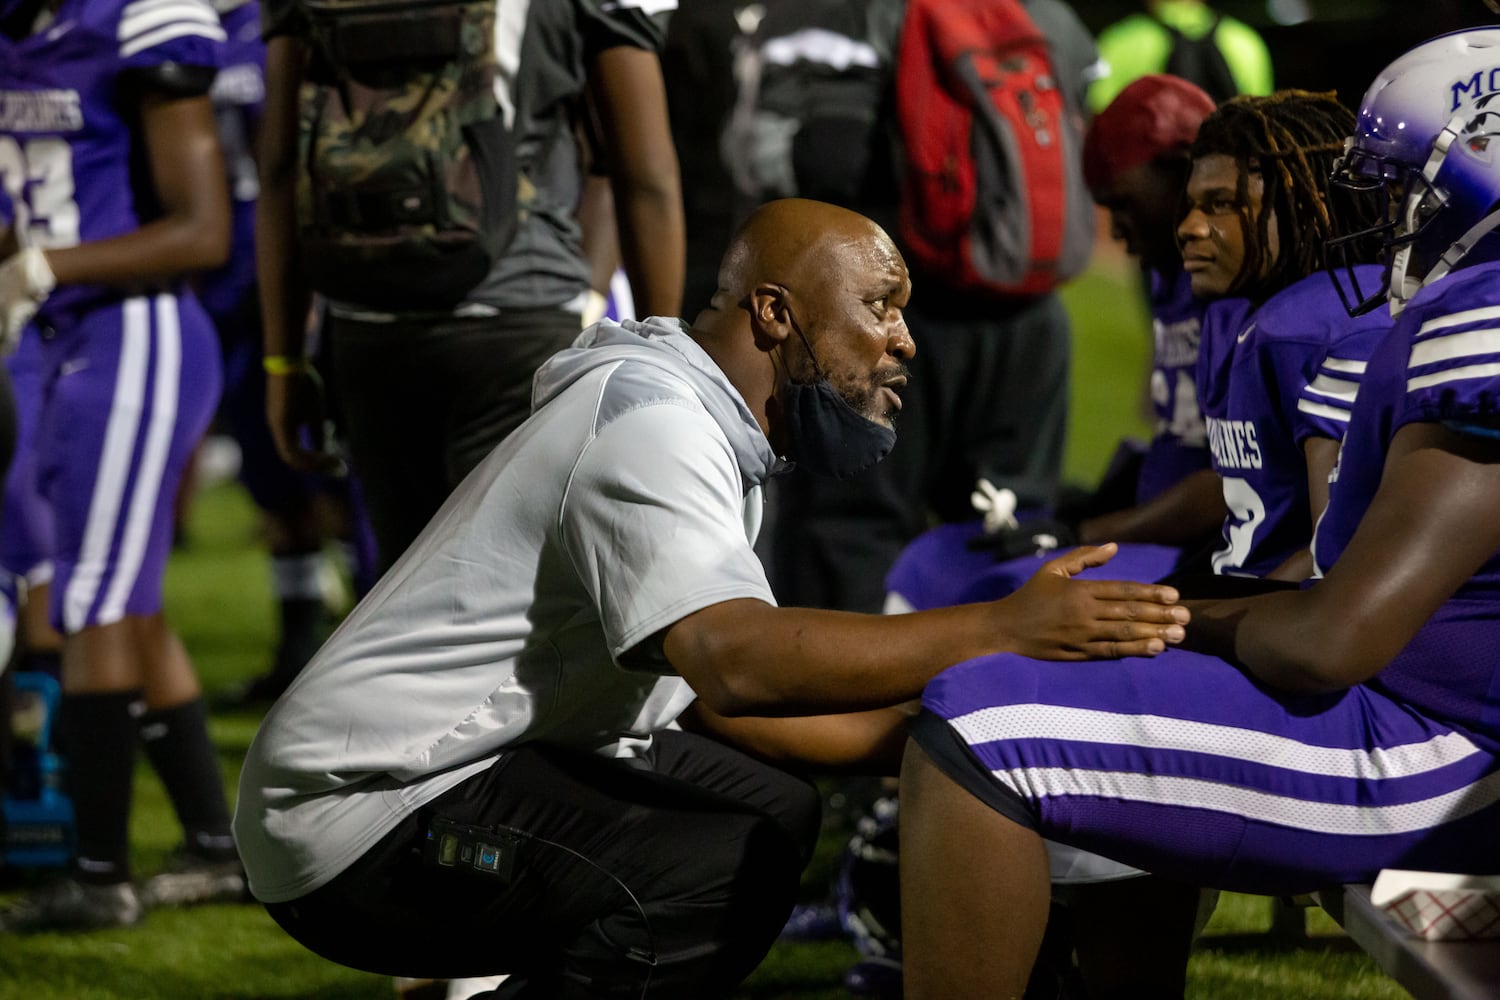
219, 599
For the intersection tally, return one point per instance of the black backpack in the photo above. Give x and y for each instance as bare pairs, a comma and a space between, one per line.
1199, 60
410, 189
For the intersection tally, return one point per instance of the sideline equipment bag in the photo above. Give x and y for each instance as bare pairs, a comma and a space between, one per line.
409, 191
993, 196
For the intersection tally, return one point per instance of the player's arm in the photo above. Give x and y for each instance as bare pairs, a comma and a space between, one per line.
1184, 512
1320, 454
187, 171
630, 99
853, 742
1430, 527
601, 240
748, 658
294, 396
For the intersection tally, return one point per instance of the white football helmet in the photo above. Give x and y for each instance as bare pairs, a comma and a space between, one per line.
1438, 192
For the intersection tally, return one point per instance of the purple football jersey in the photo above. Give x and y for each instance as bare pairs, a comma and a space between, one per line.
70, 152
1440, 363
1179, 445
1286, 373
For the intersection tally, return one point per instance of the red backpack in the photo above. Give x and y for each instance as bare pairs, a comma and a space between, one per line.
993, 196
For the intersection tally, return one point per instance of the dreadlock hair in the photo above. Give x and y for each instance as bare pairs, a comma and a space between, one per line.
1291, 138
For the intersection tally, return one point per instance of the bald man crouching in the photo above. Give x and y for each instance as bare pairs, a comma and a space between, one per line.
563, 737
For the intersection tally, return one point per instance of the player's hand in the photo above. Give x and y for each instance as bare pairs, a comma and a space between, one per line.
296, 412
1055, 617
26, 280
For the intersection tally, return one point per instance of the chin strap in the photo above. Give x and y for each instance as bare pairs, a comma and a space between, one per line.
1461, 247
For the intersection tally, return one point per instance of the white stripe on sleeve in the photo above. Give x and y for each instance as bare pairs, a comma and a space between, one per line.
1333, 388
1452, 375
179, 29
1316, 409
1471, 343
1482, 315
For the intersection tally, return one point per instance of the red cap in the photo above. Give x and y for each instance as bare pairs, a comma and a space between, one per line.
1153, 115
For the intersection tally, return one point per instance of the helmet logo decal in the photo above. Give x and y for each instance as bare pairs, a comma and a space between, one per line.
1481, 83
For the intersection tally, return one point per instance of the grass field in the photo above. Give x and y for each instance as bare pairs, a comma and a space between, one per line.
219, 598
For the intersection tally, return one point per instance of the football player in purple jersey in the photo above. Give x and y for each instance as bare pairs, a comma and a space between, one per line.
108, 151
1276, 387
1340, 728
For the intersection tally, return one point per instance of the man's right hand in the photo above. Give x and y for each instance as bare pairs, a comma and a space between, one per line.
1055, 617
296, 412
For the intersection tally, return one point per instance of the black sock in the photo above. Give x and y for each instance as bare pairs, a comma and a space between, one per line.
97, 734
177, 744
47, 661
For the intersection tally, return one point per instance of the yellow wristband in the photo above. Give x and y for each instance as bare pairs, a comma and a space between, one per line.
281, 364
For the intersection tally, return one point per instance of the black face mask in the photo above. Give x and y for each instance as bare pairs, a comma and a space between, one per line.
825, 433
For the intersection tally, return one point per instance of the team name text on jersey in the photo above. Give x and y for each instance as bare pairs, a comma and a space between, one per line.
1234, 444
40, 111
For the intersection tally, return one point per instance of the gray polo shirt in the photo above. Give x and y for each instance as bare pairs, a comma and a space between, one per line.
630, 499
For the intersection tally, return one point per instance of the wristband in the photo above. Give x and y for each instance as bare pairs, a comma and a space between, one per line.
282, 364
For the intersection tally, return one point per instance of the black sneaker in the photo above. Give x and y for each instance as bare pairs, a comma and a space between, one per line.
191, 878
72, 905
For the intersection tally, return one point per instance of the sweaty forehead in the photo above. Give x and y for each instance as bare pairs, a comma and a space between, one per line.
867, 256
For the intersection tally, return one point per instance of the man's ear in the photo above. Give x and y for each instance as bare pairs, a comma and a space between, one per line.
767, 307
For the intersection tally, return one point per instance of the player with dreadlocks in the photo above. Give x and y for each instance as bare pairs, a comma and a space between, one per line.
1277, 387
1284, 145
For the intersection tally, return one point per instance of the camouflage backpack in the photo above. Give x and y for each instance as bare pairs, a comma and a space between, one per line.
410, 190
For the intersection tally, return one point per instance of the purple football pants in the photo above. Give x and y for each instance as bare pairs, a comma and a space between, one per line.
127, 390
1183, 766
938, 569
